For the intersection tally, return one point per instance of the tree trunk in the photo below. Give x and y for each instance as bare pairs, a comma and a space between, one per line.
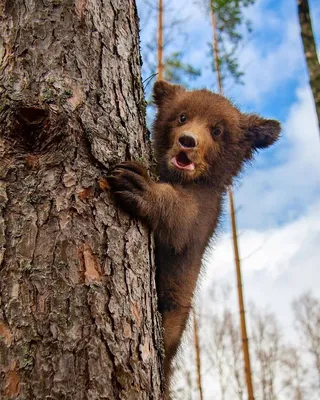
160, 69
78, 313
310, 53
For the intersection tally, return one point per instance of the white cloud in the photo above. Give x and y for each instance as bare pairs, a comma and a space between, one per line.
274, 251
266, 72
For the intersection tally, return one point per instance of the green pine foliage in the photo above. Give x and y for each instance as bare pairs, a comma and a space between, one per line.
231, 26
176, 71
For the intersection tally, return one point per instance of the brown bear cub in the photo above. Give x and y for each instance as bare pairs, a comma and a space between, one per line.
201, 141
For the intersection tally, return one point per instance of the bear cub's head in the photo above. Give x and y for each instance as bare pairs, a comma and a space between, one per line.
200, 136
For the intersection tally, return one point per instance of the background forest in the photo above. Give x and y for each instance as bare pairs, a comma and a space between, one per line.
263, 70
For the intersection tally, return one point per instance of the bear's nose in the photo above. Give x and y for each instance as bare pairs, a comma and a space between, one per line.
187, 141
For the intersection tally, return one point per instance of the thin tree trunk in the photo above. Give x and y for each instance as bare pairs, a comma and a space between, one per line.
215, 48
310, 53
197, 351
77, 292
160, 41
244, 336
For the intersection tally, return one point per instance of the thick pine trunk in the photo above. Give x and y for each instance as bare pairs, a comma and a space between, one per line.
310, 52
77, 293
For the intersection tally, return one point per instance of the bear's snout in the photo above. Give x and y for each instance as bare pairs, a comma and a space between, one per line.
188, 141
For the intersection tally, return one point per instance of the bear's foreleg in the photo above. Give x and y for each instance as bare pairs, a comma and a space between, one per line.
169, 210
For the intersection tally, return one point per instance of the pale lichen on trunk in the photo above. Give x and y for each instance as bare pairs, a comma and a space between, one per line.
77, 293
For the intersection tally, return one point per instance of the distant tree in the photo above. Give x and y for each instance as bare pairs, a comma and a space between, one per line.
310, 53
222, 348
307, 317
266, 350
217, 351
236, 357
197, 353
295, 374
230, 25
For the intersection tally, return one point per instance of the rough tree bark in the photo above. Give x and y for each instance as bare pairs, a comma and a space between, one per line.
310, 53
78, 313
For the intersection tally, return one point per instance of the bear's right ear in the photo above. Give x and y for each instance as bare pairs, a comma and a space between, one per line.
163, 91
261, 132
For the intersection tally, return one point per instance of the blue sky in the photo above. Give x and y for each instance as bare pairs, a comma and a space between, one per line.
278, 197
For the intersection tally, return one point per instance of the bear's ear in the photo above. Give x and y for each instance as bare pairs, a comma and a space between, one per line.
163, 91
261, 132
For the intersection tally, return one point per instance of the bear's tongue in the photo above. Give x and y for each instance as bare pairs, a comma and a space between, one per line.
182, 161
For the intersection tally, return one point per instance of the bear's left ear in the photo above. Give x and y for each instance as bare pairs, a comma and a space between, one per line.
261, 132
163, 91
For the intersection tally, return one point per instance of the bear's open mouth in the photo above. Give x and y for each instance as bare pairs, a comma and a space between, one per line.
182, 161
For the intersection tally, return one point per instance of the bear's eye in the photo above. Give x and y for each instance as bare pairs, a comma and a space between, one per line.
182, 118
216, 131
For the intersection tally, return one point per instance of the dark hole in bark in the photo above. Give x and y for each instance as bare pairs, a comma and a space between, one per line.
33, 130
31, 115
32, 137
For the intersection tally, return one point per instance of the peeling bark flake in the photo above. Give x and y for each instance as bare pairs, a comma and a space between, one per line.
80, 7
5, 334
11, 382
77, 95
84, 194
92, 269
145, 350
137, 314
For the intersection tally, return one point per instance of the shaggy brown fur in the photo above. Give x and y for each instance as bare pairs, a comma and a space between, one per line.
201, 142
